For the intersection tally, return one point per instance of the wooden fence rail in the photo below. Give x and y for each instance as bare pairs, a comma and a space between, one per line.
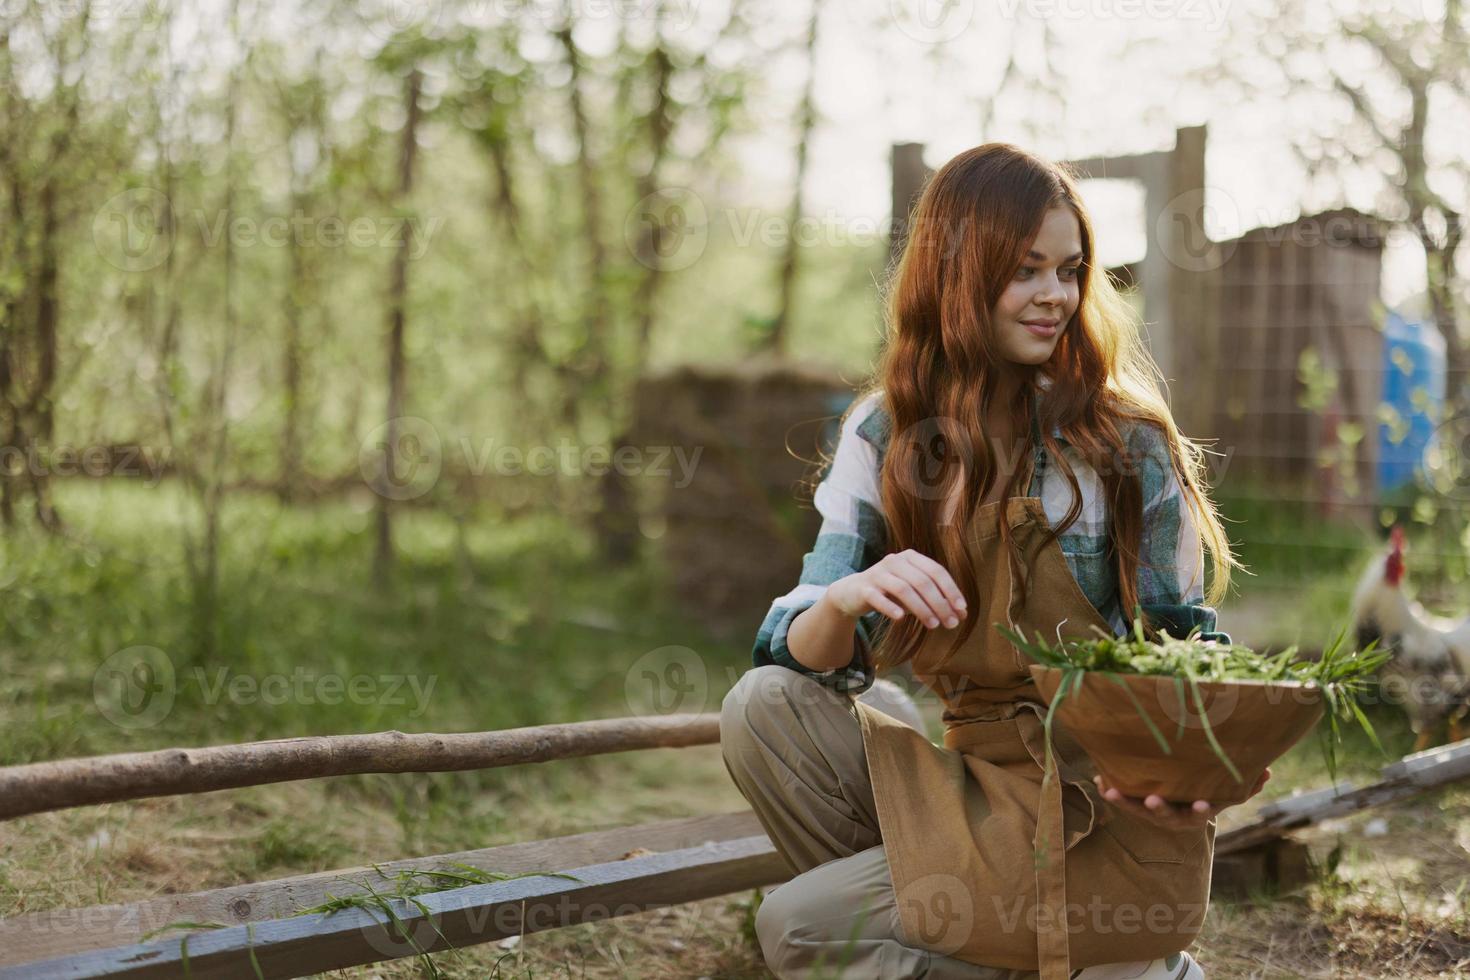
65, 783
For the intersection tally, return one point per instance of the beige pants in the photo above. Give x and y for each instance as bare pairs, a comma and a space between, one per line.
794, 748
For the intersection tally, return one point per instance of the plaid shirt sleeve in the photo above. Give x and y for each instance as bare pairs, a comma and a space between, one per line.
851, 538
1171, 567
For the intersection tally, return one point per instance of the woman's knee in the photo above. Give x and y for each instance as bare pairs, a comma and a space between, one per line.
781, 921
755, 696
816, 914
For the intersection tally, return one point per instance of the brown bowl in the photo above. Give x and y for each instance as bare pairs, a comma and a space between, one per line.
1255, 722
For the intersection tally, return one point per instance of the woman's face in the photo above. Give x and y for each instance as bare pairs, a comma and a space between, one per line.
1039, 302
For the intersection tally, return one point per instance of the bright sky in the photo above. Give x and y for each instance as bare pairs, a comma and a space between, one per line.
917, 70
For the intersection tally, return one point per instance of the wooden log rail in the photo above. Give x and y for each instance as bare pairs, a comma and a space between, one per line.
65, 783
1410, 776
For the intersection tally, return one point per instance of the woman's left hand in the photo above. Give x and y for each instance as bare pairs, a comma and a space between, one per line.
1177, 816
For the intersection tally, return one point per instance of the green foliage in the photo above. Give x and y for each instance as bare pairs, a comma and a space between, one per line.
489, 645
1319, 381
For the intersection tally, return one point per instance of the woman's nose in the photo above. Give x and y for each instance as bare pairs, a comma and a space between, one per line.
1051, 295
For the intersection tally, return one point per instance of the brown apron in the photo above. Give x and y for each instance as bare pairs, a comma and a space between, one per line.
973, 830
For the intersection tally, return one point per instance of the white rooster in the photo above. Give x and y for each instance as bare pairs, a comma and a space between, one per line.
1431, 662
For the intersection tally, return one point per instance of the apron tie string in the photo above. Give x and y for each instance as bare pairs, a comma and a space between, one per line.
1049, 852
1053, 948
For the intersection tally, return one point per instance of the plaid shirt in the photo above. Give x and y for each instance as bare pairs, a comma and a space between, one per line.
852, 537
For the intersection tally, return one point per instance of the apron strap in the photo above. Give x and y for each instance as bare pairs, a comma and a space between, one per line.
1050, 851
1049, 848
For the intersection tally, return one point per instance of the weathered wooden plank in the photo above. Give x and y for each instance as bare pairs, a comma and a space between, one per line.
1410, 776
1433, 766
58, 932
459, 917
1289, 807
42, 786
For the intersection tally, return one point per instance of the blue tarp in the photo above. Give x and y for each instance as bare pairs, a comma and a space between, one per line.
1412, 400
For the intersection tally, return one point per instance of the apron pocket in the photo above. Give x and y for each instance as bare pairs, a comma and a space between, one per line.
1148, 843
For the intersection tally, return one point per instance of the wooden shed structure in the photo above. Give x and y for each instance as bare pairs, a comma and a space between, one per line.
1283, 365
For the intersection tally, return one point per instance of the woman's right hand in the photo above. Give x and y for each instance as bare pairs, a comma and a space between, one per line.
905, 581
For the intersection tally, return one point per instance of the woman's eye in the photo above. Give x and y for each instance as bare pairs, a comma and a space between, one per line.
1025, 271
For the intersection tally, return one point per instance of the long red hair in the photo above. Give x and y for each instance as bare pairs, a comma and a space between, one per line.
940, 370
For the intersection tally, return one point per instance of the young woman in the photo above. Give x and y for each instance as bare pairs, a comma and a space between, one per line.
1015, 463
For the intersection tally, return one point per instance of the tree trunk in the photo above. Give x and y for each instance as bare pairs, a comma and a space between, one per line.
586, 378
776, 340
291, 356
397, 317
40, 407
616, 521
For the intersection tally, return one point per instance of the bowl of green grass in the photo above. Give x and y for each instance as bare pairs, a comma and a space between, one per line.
1190, 719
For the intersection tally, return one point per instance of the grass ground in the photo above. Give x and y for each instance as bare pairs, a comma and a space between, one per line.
474, 615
